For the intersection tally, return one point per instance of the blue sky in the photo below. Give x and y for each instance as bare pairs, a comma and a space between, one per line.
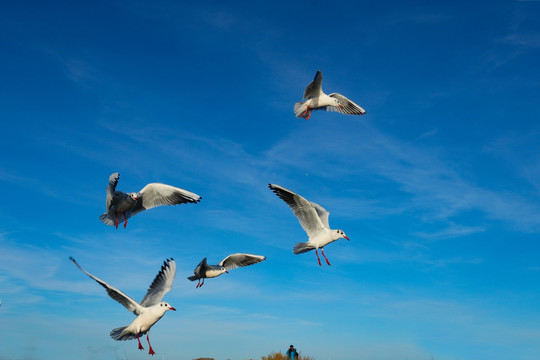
437, 187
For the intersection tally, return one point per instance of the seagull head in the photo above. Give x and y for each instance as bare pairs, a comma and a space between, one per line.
341, 234
134, 196
165, 306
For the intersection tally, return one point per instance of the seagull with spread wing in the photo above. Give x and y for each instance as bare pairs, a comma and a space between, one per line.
314, 221
151, 308
121, 206
316, 99
233, 261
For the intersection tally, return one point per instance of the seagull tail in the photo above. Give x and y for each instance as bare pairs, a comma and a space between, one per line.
300, 108
119, 334
193, 277
302, 248
108, 218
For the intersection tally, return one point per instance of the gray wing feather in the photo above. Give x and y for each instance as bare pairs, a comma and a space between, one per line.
349, 106
234, 261
161, 284
111, 188
314, 88
156, 194
322, 213
198, 272
113, 292
303, 209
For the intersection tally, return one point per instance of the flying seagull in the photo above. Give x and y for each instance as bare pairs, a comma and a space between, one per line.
203, 270
151, 308
316, 99
121, 206
314, 220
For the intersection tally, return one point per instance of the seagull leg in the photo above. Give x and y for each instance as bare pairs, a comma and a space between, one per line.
139, 340
309, 114
322, 252
318, 258
198, 284
125, 221
151, 351
305, 112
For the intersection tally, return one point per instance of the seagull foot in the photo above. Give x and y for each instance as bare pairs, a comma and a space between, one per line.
305, 112
325, 258
151, 351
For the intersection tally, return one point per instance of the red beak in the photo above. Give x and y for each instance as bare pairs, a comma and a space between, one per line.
346, 238
171, 308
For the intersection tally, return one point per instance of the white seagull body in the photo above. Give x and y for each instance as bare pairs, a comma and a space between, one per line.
121, 206
314, 221
151, 308
318, 100
233, 261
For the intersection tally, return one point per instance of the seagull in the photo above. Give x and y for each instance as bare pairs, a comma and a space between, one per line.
121, 206
203, 270
318, 100
314, 220
151, 308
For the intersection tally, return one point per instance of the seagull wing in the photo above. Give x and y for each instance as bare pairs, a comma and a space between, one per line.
161, 284
157, 194
322, 213
113, 292
199, 270
348, 106
234, 261
314, 89
303, 209
113, 181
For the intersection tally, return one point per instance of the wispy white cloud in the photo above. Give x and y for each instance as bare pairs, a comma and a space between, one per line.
452, 231
81, 72
529, 40
30, 183
436, 186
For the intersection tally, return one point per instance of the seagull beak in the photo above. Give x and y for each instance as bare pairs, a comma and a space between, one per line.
171, 308
347, 238
340, 106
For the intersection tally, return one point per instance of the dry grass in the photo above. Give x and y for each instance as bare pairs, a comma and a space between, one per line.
281, 356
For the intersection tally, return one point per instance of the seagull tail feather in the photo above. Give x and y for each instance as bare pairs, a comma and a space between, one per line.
300, 108
302, 248
107, 219
119, 334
